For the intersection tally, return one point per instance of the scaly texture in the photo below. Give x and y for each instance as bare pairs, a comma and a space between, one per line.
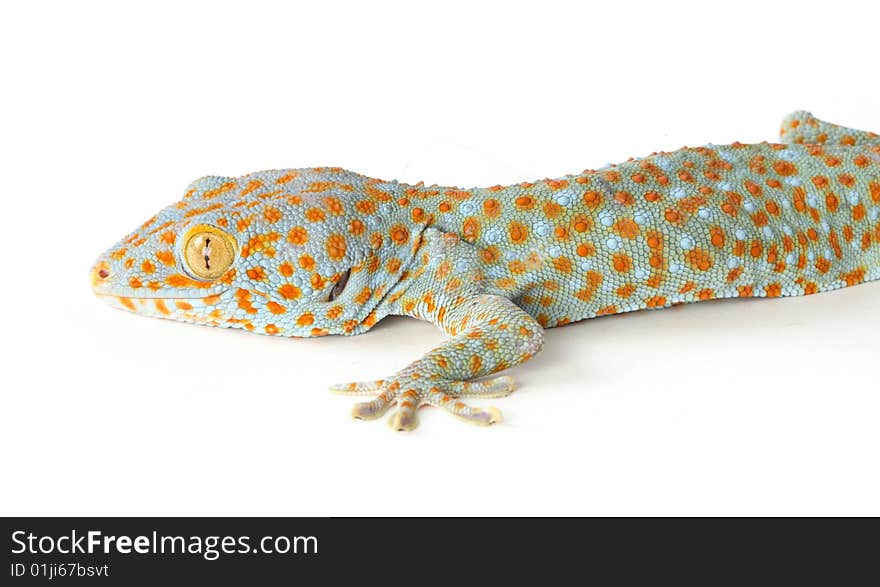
311, 252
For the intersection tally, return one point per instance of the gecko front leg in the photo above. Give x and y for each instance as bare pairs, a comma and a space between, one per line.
489, 333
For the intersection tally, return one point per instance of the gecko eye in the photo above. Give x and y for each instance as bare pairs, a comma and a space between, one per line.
339, 286
208, 252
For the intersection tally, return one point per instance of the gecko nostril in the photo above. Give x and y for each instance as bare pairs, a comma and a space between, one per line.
103, 274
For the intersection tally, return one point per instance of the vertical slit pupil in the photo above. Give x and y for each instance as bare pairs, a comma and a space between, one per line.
207, 252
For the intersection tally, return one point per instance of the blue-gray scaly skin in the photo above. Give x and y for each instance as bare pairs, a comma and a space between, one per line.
311, 252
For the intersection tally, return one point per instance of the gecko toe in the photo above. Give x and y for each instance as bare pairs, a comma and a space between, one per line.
373, 409
358, 387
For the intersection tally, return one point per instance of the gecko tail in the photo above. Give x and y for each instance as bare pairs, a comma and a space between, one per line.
802, 128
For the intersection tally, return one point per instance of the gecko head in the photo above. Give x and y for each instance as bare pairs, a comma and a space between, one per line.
301, 253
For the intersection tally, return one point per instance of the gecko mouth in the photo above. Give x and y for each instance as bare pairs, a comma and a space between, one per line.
190, 309
171, 298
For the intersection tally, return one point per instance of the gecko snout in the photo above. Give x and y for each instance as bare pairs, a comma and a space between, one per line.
100, 274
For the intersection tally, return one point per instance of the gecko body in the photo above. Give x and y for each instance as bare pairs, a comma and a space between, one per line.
319, 251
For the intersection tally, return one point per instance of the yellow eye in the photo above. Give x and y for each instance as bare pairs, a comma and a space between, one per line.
208, 252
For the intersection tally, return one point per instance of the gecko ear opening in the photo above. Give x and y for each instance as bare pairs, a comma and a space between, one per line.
339, 286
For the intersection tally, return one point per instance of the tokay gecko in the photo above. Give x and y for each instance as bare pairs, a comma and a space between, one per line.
318, 251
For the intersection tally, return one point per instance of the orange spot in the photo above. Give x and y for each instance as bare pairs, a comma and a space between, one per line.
363, 296
854, 277
626, 228
858, 212
492, 208
298, 235
357, 228
562, 264
753, 188
490, 254
335, 246
271, 329
272, 215
552, 210
624, 198
525, 203
275, 307
289, 291
165, 257
592, 199
831, 202
622, 263
290, 176
757, 248
518, 232
820, 181
334, 205
315, 215
306, 319
656, 302
846, 180
365, 206
784, 168
594, 280
874, 189
147, 266
799, 195
251, 186
582, 224
306, 262
399, 235
586, 250
699, 259
773, 290
256, 273
625, 291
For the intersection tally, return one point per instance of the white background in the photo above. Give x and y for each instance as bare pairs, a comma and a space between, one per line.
110, 110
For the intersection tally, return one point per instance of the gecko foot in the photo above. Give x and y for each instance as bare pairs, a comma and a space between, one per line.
409, 393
